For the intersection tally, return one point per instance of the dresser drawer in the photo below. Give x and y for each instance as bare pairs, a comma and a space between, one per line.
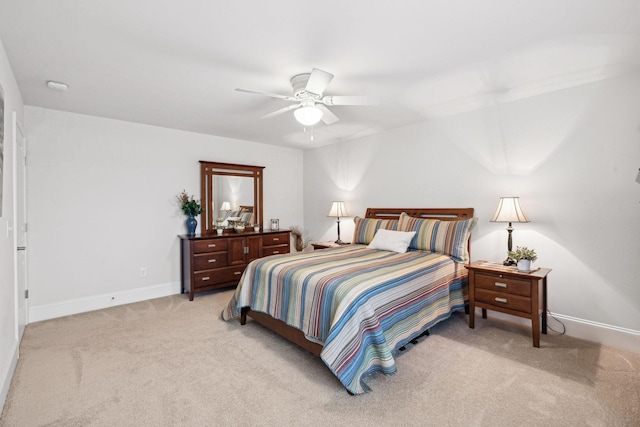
213, 245
275, 250
275, 239
506, 285
220, 275
503, 300
209, 261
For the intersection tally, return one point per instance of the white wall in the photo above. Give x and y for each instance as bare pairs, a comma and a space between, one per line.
571, 156
102, 205
8, 321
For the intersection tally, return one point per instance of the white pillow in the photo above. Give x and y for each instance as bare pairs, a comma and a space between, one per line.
389, 240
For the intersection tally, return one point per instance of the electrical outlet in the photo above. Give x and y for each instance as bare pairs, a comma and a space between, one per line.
143, 271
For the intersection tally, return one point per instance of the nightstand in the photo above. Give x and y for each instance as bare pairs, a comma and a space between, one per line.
325, 245
493, 286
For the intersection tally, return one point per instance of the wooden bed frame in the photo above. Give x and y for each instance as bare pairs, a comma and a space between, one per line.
297, 336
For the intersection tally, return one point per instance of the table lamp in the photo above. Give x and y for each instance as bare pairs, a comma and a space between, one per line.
338, 210
509, 210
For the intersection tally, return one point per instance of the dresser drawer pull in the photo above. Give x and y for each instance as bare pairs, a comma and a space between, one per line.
504, 300
501, 285
276, 252
212, 260
237, 273
276, 239
211, 245
206, 278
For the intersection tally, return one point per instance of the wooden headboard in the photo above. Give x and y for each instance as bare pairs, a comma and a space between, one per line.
444, 214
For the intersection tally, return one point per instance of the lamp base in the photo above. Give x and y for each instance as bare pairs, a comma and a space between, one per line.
339, 242
509, 261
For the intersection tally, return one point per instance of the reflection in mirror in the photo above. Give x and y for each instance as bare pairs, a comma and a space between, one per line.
231, 194
233, 200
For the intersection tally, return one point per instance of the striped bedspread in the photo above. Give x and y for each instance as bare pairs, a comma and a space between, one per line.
361, 304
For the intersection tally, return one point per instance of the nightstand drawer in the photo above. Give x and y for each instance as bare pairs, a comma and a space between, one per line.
507, 285
214, 245
209, 261
503, 300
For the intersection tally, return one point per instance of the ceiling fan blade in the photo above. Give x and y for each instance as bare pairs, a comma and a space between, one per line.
327, 116
280, 111
318, 81
272, 95
350, 100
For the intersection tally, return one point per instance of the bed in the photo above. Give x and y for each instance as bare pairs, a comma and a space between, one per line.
356, 306
243, 215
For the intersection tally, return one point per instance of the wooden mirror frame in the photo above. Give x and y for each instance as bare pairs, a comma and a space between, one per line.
210, 169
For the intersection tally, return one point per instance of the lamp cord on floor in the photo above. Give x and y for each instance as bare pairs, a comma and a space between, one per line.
564, 329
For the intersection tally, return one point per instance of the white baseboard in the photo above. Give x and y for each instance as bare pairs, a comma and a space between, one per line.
614, 336
7, 374
97, 302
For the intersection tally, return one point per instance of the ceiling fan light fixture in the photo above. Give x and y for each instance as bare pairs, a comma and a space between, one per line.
308, 115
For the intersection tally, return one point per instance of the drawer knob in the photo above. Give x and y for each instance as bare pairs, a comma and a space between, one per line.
275, 239
501, 285
276, 252
206, 278
212, 260
503, 300
212, 245
237, 273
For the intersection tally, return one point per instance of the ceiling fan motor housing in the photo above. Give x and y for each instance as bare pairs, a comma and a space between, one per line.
299, 84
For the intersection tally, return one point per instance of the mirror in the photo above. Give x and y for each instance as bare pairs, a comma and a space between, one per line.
231, 193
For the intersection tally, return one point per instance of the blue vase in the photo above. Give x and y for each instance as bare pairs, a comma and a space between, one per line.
192, 223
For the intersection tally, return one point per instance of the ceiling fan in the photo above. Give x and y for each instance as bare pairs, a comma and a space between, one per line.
310, 105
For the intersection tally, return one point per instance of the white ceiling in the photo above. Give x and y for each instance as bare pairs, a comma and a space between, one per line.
176, 63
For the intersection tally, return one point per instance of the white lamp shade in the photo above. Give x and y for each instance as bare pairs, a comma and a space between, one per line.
509, 210
226, 206
308, 116
338, 210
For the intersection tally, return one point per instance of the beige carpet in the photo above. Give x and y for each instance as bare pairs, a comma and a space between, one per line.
171, 362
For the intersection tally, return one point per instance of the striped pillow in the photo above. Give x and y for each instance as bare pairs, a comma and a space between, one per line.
233, 214
246, 217
445, 237
366, 228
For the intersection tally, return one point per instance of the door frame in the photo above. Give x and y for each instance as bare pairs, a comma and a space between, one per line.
20, 226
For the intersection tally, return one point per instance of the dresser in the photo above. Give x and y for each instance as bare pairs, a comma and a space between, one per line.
211, 261
493, 286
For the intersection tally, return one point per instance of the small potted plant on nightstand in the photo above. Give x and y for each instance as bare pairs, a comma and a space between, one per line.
524, 257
